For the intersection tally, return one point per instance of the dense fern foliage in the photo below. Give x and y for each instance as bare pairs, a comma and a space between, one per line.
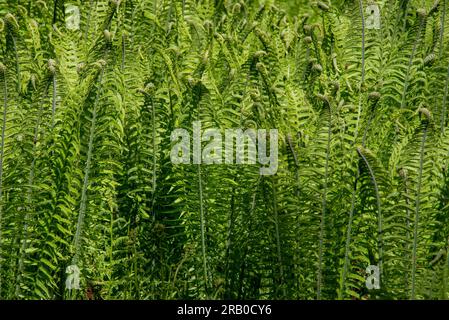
86, 177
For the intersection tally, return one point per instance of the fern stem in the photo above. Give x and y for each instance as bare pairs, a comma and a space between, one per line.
410, 62
249, 228
443, 109
89, 16
122, 66
324, 207
16, 53
53, 105
351, 215
22, 251
278, 238
446, 272
83, 203
417, 207
363, 41
153, 120
407, 3
203, 233
407, 245
442, 22
362, 80
379, 210
2, 154
348, 236
229, 242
